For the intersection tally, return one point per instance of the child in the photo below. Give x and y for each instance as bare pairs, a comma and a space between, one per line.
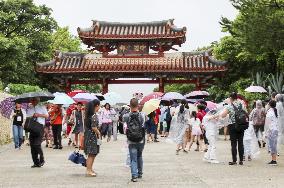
151, 127
196, 129
211, 128
251, 149
271, 124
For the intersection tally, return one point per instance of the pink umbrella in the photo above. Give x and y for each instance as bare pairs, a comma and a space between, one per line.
211, 105
84, 97
154, 95
197, 95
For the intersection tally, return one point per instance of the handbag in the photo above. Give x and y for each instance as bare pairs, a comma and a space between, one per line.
77, 158
31, 125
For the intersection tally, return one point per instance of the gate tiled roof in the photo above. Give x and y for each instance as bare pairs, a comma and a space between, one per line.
66, 63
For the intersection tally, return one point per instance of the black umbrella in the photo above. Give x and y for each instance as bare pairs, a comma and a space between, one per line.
26, 97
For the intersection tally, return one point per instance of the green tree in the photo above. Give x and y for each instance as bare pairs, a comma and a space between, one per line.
64, 41
25, 38
89, 88
180, 88
259, 29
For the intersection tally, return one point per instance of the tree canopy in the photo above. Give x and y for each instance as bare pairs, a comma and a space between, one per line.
29, 35
25, 38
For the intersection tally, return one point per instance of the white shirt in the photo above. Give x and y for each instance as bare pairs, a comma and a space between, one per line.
211, 126
39, 109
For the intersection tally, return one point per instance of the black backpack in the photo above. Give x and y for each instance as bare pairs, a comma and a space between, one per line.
135, 131
241, 118
168, 115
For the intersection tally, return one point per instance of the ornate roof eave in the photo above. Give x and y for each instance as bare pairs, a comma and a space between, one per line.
208, 54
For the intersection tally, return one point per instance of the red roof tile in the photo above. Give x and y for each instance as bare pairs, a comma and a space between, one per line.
90, 63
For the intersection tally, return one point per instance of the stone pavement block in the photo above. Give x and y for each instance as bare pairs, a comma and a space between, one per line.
162, 168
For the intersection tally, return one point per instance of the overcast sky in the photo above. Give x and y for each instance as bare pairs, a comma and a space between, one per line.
201, 17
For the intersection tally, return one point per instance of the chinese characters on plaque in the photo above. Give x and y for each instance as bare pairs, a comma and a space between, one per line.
133, 48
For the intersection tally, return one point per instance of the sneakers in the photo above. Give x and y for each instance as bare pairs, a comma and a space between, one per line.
273, 163
241, 163
42, 163
214, 161
35, 166
55, 147
232, 163
134, 179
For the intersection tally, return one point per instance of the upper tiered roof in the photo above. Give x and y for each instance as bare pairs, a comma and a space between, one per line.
109, 33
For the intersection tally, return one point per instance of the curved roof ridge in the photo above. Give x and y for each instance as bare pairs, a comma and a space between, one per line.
162, 22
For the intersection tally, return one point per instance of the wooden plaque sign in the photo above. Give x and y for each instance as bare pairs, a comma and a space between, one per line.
133, 49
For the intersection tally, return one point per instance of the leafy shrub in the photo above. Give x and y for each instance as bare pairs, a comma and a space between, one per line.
18, 89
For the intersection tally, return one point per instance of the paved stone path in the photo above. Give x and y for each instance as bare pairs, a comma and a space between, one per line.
162, 168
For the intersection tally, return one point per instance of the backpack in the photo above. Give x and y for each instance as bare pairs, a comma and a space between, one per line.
258, 117
168, 115
241, 118
135, 132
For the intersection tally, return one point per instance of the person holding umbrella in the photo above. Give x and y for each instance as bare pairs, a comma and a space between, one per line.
40, 113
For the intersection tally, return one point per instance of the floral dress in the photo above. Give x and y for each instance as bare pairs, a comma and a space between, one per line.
90, 142
179, 124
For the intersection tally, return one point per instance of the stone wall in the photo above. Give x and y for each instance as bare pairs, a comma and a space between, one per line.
5, 125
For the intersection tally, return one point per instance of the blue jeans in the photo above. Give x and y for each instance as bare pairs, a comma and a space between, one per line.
18, 135
136, 161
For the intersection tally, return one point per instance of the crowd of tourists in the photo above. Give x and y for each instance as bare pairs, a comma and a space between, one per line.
85, 125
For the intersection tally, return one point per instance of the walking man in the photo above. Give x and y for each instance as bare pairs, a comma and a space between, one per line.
135, 133
40, 113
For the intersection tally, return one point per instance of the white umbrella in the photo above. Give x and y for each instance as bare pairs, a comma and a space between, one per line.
173, 96
61, 98
112, 98
255, 89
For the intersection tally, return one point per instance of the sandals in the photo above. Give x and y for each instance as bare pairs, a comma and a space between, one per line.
91, 174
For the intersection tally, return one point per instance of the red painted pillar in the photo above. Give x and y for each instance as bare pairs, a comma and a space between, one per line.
68, 86
105, 87
161, 85
197, 84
